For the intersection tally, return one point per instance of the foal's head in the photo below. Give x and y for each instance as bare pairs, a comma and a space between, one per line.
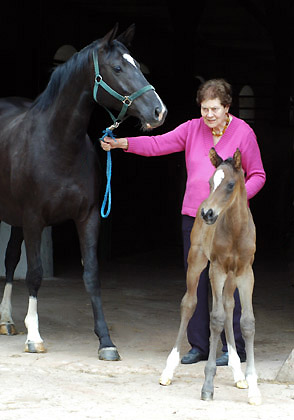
224, 185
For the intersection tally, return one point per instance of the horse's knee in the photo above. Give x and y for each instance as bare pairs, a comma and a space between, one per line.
247, 324
91, 281
217, 320
188, 304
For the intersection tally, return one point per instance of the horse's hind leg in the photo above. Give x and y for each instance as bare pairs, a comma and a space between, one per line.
217, 319
88, 236
12, 257
32, 236
197, 263
247, 323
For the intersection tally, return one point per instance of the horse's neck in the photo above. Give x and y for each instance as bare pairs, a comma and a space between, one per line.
66, 105
72, 113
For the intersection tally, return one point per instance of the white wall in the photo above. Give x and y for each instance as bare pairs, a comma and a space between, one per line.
46, 253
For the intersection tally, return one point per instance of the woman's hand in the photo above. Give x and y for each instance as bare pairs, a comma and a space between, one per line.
108, 143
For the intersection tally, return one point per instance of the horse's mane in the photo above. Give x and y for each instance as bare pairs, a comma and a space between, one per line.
229, 161
61, 76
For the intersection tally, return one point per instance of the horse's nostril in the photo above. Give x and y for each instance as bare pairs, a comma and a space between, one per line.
156, 113
210, 213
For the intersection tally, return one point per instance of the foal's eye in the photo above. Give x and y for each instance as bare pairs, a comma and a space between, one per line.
117, 69
230, 186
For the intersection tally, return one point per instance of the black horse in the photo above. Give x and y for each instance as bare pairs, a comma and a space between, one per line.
49, 170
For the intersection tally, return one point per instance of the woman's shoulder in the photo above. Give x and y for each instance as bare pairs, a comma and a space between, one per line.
241, 124
191, 124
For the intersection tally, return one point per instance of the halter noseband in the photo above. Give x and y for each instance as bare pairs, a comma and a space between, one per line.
126, 100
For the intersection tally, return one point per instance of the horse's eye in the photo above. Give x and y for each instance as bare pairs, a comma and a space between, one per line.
117, 69
230, 185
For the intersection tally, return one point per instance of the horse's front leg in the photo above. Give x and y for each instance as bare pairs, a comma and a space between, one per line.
88, 236
32, 236
217, 319
234, 360
197, 263
247, 323
12, 257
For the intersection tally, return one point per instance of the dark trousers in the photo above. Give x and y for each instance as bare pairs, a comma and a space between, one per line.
198, 328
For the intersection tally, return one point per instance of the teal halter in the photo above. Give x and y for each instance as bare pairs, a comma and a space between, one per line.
126, 100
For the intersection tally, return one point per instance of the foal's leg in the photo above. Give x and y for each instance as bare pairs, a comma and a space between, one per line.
247, 323
12, 257
197, 263
217, 318
234, 360
88, 235
32, 237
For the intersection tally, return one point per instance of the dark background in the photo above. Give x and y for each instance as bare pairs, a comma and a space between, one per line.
250, 43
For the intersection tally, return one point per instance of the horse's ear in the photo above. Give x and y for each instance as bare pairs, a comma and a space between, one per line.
215, 159
127, 36
110, 36
237, 160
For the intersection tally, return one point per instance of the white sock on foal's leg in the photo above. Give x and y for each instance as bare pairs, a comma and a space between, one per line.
171, 364
235, 365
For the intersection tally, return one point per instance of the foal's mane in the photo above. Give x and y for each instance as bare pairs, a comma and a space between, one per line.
230, 162
61, 75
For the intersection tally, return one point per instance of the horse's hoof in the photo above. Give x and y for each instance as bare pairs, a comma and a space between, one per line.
165, 381
7, 329
255, 400
32, 347
207, 396
242, 384
109, 354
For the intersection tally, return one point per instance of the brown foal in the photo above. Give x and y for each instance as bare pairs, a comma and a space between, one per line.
224, 234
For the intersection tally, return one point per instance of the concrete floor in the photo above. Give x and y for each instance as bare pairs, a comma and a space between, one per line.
141, 295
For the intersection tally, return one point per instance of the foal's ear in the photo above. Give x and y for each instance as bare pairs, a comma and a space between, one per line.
127, 36
110, 36
215, 159
237, 160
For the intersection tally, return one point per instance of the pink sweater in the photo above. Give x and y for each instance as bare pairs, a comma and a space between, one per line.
195, 138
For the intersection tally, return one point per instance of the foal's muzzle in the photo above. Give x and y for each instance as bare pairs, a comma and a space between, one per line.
209, 217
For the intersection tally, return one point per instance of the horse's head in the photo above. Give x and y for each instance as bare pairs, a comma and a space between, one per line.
120, 84
224, 185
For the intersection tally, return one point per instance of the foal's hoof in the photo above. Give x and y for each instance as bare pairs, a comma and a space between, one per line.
165, 380
7, 329
206, 395
242, 384
108, 353
255, 400
31, 347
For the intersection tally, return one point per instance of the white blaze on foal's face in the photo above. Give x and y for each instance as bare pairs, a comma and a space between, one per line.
130, 59
217, 178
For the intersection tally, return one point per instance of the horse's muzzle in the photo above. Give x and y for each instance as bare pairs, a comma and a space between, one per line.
209, 217
156, 120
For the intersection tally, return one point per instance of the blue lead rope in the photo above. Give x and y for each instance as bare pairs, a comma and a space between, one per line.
107, 196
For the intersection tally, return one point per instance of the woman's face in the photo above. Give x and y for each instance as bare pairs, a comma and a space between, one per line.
214, 113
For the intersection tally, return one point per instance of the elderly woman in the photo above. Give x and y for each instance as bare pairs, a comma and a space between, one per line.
220, 129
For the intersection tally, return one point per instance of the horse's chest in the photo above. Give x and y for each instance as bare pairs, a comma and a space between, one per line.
231, 254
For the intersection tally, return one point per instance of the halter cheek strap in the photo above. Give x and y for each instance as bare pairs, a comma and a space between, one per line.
126, 100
